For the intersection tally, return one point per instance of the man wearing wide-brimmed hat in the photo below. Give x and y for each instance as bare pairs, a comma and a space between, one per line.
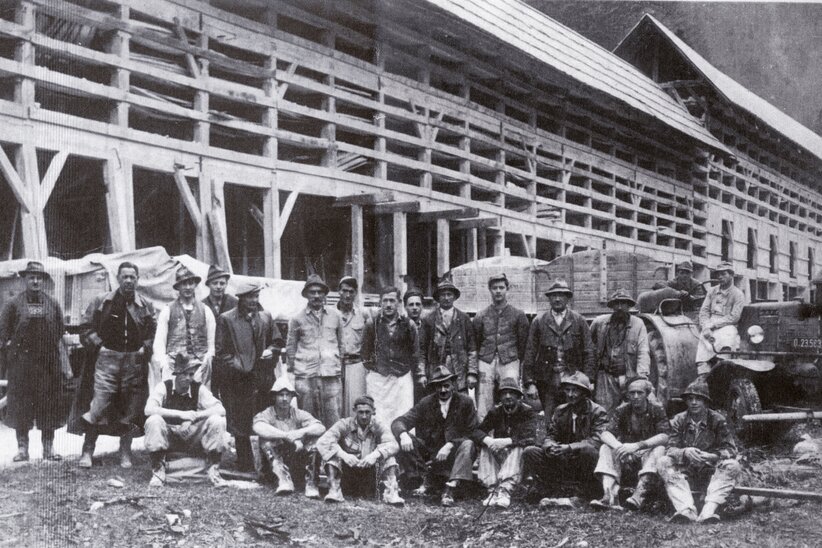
182, 414
571, 448
447, 339
718, 317
218, 300
447, 435
690, 290
31, 326
559, 343
353, 319
701, 450
186, 326
507, 429
621, 349
248, 347
315, 354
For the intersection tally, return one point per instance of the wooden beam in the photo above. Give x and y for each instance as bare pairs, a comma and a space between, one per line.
443, 247
400, 249
120, 226
51, 176
32, 224
272, 230
288, 207
188, 199
191, 63
396, 207
363, 199
481, 222
18, 188
357, 250
446, 214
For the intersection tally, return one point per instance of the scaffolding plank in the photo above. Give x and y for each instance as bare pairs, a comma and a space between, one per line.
396, 207
188, 199
481, 222
446, 214
363, 199
18, 188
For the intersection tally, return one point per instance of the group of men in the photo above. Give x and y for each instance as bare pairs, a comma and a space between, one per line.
376, 394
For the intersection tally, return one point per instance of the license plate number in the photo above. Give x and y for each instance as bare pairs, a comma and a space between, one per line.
807, 343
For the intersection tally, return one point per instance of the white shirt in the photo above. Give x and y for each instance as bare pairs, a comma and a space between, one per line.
161, 335
444, 407
447, 316
559, 317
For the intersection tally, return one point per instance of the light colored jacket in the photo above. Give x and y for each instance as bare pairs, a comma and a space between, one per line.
314, 344
721, 308
635, 351
345, 436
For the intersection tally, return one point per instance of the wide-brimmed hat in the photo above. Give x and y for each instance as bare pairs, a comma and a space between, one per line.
440, 374
183, 275
578, 379
559, 287
348, 280
620, 296
501, 277
215, 272
283, 385
247, 288
314, 279
685, 265
183, 363
510, 383
443, 285
724, 267
697, 388
34, 267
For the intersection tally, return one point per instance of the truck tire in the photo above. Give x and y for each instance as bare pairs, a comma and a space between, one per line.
742, 399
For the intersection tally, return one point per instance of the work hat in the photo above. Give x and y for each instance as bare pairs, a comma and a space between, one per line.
183, 275
697, 388
723, 267
685, 265
443, 285
364, 400
34, 267
348, 280
509, 383
498, 278
620, 296
183, 363
412, 292
440, 374
247, 288
578, 379
283, 385
559, 287
215, 272
314, 279
646, 384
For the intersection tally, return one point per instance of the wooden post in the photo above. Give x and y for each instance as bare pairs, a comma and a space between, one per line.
271, 230
443, 246
121, 230
482, 243
400, 249
120, 46
24, 89
357, 252
202, 129
33, 222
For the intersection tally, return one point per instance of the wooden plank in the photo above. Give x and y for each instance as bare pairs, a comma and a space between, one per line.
396, 207
446, 214
400, 226
357, 249
18, 188
468, 224
121, 228
33, 224
443, 246
223, 258
363, 199
191, 63
189, 201
285, 214
51, 176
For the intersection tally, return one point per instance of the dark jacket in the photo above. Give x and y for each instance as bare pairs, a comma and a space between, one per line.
433, 430
520, 426
589, 426
99, 314
654, 421
389, 354
233, 354
228, 302
712, 436
504, 333
435, 341
546, 341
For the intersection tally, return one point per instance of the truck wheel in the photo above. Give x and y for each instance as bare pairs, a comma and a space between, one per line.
659, 366
742, 399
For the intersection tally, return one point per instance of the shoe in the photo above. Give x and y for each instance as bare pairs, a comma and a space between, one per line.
632, 505
491, 499
22, 455
284, 488
214, 476
686, 516
334, 490
85, 460
711, 518
447, 499
391, 495
503, 500
601, 504
49, 454
312, 492
158, 477
125, 459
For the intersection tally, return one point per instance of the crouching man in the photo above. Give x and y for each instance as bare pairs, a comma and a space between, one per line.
571, 448
513, 425
635, 439
357, 451
182, 413
287, 440
701, 450
447, 432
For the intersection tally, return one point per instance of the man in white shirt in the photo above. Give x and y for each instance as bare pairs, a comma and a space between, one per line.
718, 317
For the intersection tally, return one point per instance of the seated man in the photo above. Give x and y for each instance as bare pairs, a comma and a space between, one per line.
287, 439
513, 424
183, 413
718, 317
690, 290
635, 438
357, 450
571, 448
702, 450
447, 430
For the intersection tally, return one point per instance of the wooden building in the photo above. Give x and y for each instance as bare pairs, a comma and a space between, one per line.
390, 139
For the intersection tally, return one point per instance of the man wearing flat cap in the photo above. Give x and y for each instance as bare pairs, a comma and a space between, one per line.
571, 448
357, 451
186, 326
182, 414
559, 343
501, 331
353, 319
219, 302
447, 339
447, 435
248, 347
315, 354
620, 348
31, 327
718, 317
690, 290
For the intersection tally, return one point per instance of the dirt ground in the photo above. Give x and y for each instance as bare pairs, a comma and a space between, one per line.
49, 504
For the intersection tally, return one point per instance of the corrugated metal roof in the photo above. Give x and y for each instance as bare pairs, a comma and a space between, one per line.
568, 52
738, 94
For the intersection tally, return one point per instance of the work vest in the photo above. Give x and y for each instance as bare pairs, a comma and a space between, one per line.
187, 337
181, 402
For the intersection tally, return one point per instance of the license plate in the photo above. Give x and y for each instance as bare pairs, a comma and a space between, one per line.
807, 343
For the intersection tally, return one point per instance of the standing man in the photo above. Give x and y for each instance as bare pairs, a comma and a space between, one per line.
621, 350
122, 331
412, 302
315, 354
559, 343
447, 434
248, 347
447, 340
690, 290
391, 355
702, 451
186, 326
183, 414
718, 317
218, 300
31, 327
353, 324
357, 451
502, 333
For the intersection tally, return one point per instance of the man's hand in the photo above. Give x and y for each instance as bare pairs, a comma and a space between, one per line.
559, 450
406, 444
188, 416
696, 456
422, 381
626, 449
444, 452
471, 382
267, 353
706, 332
370, 459
349, 459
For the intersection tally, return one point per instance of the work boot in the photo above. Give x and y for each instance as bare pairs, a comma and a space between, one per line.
48, 446
285, 485
22, 446
491, 499
125, 452
425, 488
637, 499
708, 513
334, 490
158, 469
447, 496
213, 472
245, 457
312, 476
686, 516
391, 495
89, 442
503, 499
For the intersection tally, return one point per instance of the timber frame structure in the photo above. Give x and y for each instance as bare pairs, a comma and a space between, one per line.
429, 123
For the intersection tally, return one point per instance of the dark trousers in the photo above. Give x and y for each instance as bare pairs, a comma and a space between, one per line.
420, 463
550, 396
552, 470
